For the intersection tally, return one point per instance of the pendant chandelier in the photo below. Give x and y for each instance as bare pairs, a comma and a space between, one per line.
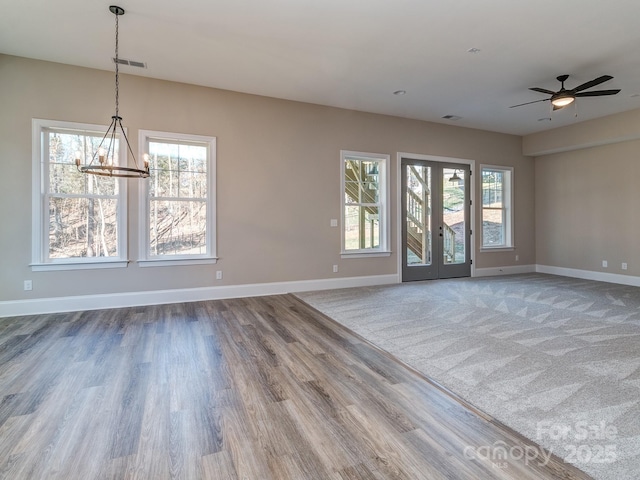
105, 159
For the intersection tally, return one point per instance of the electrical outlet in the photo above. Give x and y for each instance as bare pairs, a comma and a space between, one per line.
604, 263
335, 269
624, 265
219, 275
28, 285
517, 258
334, 222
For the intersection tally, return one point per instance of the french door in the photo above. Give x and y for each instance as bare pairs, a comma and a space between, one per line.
435, 220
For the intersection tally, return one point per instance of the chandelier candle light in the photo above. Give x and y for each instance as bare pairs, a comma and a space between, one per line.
105, 160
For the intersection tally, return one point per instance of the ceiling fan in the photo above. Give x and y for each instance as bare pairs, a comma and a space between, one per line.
564, 97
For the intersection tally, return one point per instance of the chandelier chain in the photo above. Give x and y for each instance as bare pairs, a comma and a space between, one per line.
104, 161
117, 69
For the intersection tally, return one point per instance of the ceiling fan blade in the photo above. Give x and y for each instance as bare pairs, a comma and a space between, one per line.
528, 103
592, 83
542, 90
597, 93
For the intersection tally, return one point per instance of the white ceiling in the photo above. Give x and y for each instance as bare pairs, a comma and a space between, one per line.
355, 53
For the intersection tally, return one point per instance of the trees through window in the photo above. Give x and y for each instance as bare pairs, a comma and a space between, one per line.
364, 212
78, 218
178, 203
497, 214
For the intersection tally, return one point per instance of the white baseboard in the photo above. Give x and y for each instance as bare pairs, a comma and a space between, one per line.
133, 299
509, 270
590, 275
158, 297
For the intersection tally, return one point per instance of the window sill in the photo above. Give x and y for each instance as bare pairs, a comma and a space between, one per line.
173, 262
497, 249
361, 254
82, 265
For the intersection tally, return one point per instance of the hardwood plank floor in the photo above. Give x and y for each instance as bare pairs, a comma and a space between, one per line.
255, 388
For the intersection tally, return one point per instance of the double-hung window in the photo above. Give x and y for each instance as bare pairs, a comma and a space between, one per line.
79, 220
497, 207
178, 200
364, 203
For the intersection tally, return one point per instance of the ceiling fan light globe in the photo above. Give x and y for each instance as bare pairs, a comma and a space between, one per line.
563, 101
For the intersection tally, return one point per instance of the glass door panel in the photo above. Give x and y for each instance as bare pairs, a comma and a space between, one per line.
419, 247
453, 216
454, 221
418, 216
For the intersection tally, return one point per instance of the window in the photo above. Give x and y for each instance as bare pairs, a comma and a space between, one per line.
497, 207
79, 220
364, 209
178, 201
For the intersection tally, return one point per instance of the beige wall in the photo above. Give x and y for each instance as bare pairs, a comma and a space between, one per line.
278, 177
587, 194
587, 208
607, 130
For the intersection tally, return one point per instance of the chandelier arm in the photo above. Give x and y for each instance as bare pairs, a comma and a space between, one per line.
114, 138
124, 135
93, 159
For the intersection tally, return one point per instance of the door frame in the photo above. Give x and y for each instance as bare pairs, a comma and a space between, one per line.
472, 196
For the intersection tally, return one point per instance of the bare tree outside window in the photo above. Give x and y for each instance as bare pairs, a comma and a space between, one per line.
83, 209
496, 207
178, 202
178, 199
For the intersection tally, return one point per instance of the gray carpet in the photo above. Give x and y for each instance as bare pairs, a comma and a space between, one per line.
555, 358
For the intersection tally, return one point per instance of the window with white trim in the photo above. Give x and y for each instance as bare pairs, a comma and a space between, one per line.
178, 202
497, 207
79, 220
364, 203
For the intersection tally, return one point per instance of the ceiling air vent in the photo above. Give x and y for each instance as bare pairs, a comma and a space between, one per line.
455, 118
131, 63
